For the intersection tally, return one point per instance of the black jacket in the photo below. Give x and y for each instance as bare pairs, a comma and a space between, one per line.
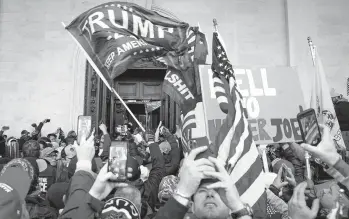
342, 112
150, 188
172, 160
171, 210
80, 203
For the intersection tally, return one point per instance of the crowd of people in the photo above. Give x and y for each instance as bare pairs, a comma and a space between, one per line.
54, 177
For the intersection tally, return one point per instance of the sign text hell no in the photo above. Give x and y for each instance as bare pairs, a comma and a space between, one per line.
271, 98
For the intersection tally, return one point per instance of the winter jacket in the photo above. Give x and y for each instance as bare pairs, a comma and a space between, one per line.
37, 133
342, 113
72, 166
172, 160
343, 169
149, 189
290, 155
80, 203
38, 208
106, 147
172, 210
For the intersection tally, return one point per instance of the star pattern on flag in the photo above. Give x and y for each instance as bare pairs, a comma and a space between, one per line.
221, 63
153, 49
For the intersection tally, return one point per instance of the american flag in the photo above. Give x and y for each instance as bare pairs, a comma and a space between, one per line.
234, 139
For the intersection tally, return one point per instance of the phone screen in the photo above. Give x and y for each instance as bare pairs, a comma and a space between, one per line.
118, 160
309, 127
84, 127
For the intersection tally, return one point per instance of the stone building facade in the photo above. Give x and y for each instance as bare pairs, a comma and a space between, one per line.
42, 72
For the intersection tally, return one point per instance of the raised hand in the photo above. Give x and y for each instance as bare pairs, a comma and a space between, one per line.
289, 176
297, 207
278, 183
104, 183
86, 150
326, 150
225, 188
103, 128
192, 172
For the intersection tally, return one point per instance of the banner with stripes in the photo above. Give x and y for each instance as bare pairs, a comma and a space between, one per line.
234, 140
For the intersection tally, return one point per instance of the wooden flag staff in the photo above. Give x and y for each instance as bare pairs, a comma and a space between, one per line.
105, 80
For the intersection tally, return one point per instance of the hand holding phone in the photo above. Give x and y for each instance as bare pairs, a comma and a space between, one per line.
84, 127
117, 161
309, 127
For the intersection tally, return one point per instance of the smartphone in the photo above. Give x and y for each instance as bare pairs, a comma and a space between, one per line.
284, 174
309, 127
84, 127
117, 160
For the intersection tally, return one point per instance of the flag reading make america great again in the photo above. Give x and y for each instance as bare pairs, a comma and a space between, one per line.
117, 34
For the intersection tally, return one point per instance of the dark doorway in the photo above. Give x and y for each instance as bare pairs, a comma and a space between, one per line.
138, 111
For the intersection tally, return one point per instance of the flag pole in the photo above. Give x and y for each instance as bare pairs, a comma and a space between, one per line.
306, 154
105, 80
215, 25
312, 49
